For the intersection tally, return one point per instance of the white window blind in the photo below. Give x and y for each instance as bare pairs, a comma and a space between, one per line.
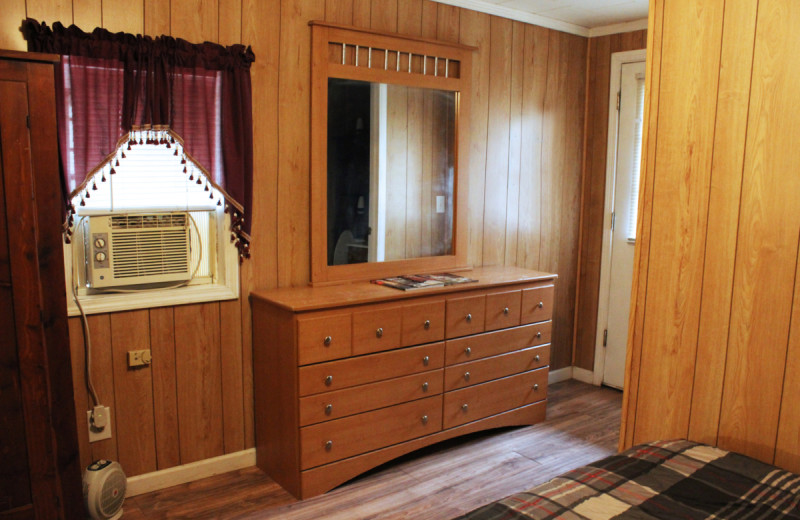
637, 160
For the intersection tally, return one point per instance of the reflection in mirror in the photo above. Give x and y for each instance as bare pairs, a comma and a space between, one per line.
391, 158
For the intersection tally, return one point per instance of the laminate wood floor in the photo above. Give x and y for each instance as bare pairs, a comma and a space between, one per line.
438, 482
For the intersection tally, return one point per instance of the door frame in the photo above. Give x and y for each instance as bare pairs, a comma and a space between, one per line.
617, 60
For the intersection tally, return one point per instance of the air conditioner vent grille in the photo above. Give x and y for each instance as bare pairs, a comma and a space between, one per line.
149, 253
163, 220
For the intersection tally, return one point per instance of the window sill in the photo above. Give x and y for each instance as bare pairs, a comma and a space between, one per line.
103, 303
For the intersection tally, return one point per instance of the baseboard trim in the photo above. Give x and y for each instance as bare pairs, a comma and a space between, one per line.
169, 477
583, 375
562, 374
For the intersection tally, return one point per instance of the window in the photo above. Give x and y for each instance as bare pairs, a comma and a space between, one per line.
150, 175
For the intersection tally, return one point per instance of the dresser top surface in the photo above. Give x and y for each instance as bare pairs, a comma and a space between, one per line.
299, 299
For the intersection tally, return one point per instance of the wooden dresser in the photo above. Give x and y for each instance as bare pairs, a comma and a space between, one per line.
348, 377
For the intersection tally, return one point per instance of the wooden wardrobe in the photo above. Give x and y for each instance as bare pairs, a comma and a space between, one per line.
714, 349
40, 474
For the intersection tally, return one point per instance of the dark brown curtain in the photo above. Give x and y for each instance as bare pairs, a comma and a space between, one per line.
112, 83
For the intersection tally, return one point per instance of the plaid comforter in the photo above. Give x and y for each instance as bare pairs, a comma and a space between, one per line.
666, 479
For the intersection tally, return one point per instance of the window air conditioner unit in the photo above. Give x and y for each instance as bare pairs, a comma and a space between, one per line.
137, 248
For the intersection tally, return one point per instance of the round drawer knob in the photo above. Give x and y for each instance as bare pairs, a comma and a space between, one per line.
379, 332
536, 386
541, 304
328, 380
328, 340
466, 376
469, 318
536, 358
424, 419
505, 311
425, 386
328, 445
328, 409
538, 334
426, 360
427, 324
464, 407
468, 351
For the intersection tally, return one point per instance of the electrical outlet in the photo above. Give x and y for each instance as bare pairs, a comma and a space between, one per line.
440, 204
139, 358
96, 434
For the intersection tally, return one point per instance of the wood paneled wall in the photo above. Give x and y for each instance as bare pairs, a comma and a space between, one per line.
714, 354
594, 187
524, 171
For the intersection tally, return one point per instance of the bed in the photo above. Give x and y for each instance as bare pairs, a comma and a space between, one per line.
665, 479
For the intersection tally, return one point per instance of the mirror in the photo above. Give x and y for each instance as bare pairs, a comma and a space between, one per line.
389, 129
390, 171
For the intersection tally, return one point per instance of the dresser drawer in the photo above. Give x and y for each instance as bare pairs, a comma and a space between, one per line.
376, 330
334, 440
341, 403
345, 373
423, 323
479, 401
480, 346
537, 304
495, 367
503, 309
320, 338
465, 316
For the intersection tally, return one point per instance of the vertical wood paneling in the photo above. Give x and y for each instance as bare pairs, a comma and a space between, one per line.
156, 17
787, 448
766, 254
165, 391
475, 31
515, 142
409, 17
88, 14
530, 199
197, 364
448, 23
496, 187
194, 20
230, 22
13, 14
133, 394
49, 11
339, 11
123, 16
570, 180
230, 341
414, 175
103, 379
362, 10
641, 255
384, 15
689, 73
723, 215
430, 18
294, 95
261, 30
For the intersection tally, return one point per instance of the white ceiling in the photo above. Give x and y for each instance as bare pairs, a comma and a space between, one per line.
584, 17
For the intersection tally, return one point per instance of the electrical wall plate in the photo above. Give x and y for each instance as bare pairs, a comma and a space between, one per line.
95, 434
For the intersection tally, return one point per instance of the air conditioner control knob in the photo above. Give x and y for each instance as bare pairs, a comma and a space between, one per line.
99, 243
100, 257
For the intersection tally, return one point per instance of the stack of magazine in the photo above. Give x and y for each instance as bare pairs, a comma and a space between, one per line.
422, 281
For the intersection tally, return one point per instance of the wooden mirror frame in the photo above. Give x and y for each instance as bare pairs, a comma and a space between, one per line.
430, 59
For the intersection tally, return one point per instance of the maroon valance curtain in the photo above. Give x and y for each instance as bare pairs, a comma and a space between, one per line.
112, 83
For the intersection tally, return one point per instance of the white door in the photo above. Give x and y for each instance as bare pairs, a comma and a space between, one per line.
622, 208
